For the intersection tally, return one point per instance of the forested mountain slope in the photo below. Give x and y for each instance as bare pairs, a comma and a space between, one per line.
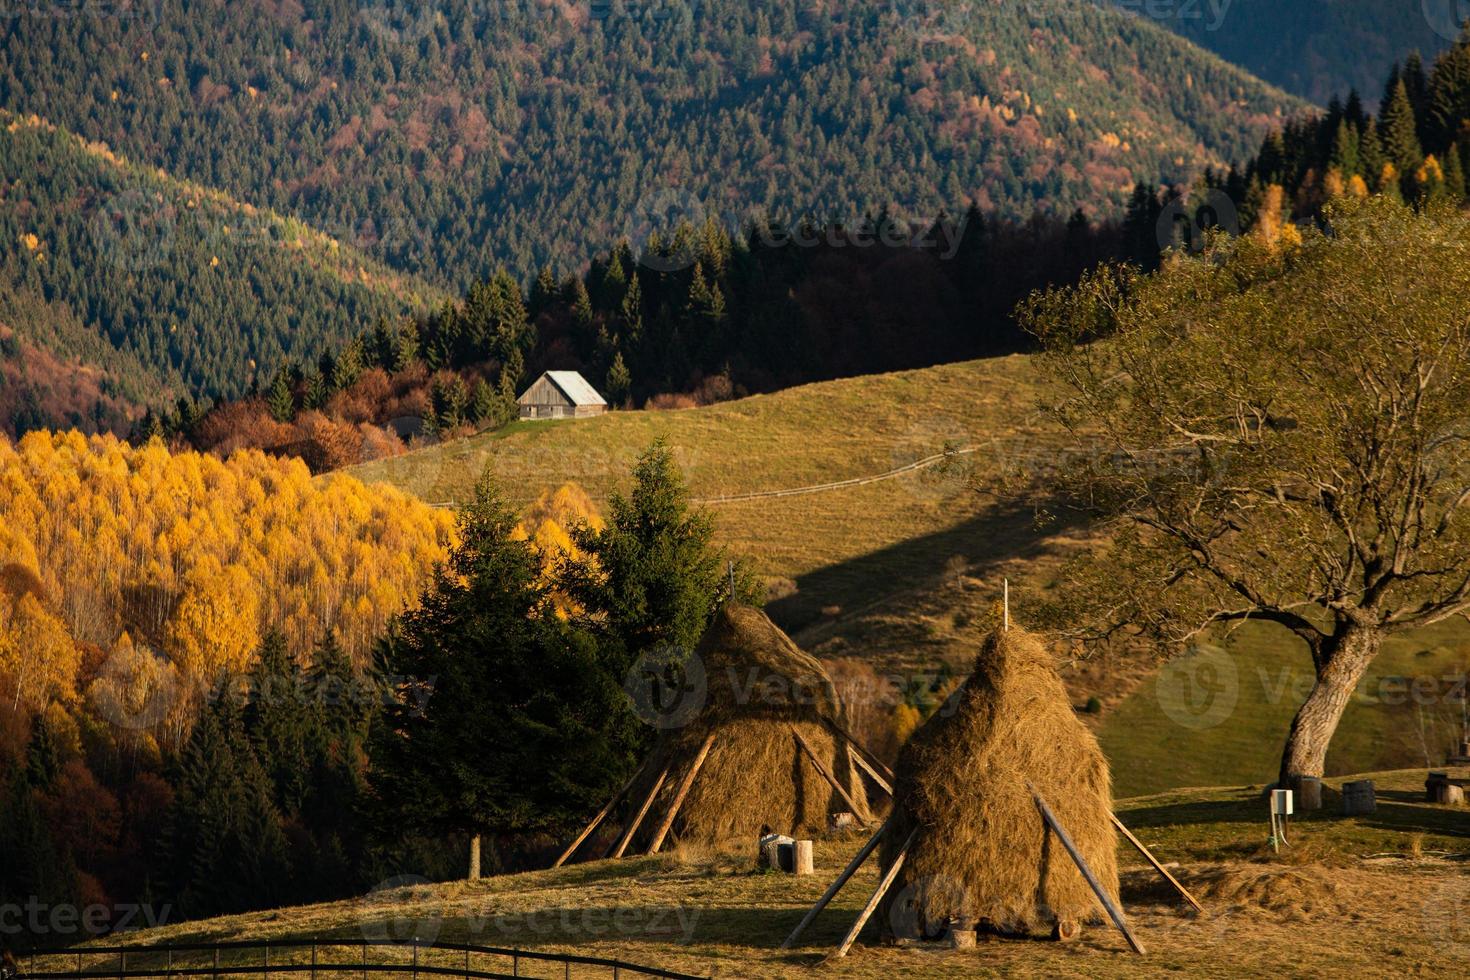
1312, 48
448, 138
153, 287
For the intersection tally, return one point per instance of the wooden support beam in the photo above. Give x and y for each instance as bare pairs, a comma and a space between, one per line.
831, 779
622, 844
872, 759
1157, 866
878, 894
597, 820
663, 829
873, 774
1115, 913
836, 886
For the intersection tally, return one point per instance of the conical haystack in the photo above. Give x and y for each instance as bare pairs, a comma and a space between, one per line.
981, 851
757, 685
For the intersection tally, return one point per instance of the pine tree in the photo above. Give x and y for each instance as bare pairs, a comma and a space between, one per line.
276, 720
1344, 156
484, 406
1397, 131
653, 571
405, 347
1449, 96
279, 399
1370, 156
543, 292
349, 365
525, 728
1454, 173
619, 381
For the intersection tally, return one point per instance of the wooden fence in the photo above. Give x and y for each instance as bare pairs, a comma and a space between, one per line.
320, 959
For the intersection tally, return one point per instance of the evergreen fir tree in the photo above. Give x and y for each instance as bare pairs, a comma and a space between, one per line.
525, 728
279, 399
619, 381
1344, 156
405, 347
1370, 156
1398, 133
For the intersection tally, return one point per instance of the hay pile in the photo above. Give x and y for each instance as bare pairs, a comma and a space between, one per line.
759, 684
1291, 894
981, 850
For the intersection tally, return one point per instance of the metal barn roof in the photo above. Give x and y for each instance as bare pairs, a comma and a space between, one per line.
574, 387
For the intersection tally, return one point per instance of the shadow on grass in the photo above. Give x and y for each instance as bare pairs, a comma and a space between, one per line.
1003, 533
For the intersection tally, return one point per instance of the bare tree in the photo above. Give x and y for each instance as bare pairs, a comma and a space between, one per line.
1281, 435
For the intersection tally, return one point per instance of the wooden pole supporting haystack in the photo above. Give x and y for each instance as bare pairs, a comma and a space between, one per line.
822, 770
856, 758
1157, 866
597, 820
878, 894
836, 886
862, 750
663, 829
1114, 912
633, 824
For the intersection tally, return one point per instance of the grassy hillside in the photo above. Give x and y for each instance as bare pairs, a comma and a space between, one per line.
845, 547
175, 287
904, 571
1392, 878
452, 137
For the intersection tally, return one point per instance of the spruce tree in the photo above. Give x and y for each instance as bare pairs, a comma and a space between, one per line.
279, 399
653, 572
1449, 96
1344, 157
1370, 156
619, 381
505, 720
1397, 131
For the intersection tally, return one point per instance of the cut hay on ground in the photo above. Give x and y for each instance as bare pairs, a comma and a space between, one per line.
756, 776
1291, 893
981, 850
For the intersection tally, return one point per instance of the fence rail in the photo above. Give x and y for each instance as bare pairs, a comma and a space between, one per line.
174, 960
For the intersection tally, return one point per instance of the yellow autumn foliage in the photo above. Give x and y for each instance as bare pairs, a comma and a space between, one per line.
548, 523
170, 567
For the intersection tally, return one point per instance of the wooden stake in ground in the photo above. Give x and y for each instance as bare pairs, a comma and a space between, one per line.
663, 829
836, 886
1157, 866
597, 820
857, 759
817, 763
633, 824
1114, 912
878, 894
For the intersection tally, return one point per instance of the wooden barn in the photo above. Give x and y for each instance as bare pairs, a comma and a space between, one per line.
561, 395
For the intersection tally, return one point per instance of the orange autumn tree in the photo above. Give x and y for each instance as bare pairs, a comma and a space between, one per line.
548, 523
136, 552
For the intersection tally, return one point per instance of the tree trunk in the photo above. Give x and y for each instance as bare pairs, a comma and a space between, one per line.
1344, 658
475, 858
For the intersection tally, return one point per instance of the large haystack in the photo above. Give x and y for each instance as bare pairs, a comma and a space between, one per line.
982, 851
758, 685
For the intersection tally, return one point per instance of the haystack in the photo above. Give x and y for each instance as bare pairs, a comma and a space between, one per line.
759, 686
980, 850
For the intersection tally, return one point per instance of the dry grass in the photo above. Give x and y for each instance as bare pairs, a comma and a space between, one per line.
981, 850
1356, 911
